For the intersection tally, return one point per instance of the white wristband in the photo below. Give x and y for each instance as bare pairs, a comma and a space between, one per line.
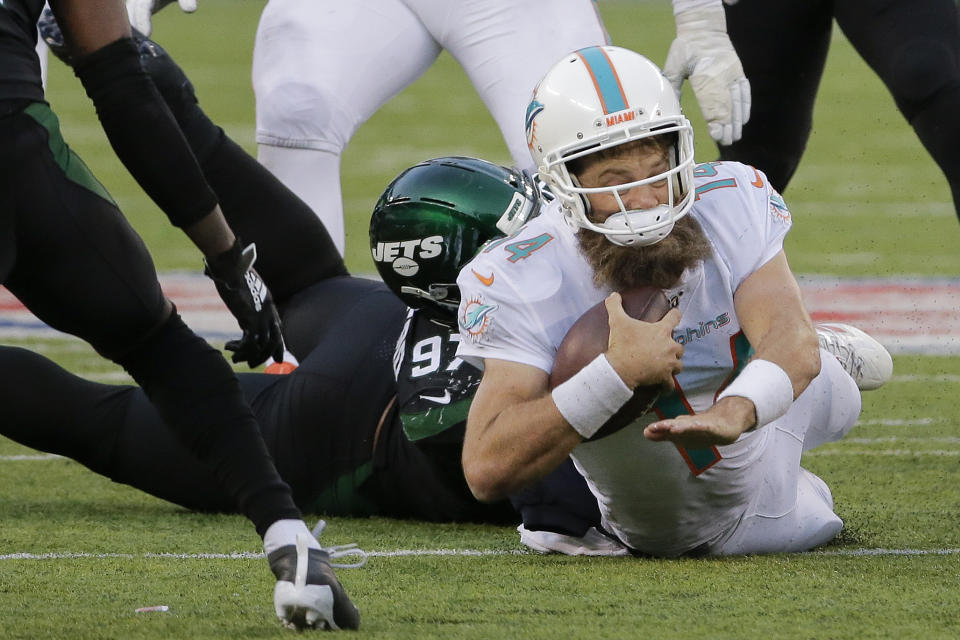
591, 396
766, 385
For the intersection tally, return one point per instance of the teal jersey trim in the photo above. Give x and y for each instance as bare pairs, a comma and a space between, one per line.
671, 405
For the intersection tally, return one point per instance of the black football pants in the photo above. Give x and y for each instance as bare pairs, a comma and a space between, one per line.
69, 255
912, 45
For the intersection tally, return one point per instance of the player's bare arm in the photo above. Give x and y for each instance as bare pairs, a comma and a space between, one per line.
775, 321
88, 25
515, 433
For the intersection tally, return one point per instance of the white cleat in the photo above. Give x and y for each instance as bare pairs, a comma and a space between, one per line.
593, 543
865, 359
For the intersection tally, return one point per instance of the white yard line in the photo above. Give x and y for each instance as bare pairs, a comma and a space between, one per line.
411, 553
882, 452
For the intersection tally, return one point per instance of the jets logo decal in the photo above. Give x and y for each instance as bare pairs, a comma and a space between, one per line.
403, 255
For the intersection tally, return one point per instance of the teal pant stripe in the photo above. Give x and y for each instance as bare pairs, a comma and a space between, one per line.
670, 406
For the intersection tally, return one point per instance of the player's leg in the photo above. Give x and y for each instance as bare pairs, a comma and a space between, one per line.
320, 69
915, 49
793, 509
326, 415
783, 47
781, 524
112, 430
560, 515
293, 247
833, 404
82, 269
506, 46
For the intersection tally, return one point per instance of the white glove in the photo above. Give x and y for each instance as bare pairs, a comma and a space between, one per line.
141, 11
703, 53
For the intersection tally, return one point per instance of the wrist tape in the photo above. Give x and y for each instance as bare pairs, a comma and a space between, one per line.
766, 385
591, 396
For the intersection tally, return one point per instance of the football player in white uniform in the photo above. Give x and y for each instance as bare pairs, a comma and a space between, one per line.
714, 468
322, 68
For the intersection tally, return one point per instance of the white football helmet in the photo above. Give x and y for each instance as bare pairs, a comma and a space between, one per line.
601, 97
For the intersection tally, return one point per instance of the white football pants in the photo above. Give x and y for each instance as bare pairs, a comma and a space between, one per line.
323, 67
793, 508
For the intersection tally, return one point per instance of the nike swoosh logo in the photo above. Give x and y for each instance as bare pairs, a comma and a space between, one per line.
444, 399
486, 280
758, 183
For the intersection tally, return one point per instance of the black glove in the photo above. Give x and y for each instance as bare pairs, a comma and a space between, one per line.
250, 302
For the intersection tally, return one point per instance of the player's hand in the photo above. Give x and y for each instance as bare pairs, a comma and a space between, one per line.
642, 353
703, 53
250, 302
721, 424
141, 12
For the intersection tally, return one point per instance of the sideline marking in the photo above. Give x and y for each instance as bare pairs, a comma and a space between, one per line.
907, 315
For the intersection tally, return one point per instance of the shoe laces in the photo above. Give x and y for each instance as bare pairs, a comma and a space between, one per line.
341, 550
837, 344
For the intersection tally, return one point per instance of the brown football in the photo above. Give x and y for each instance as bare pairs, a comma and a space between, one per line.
587, 339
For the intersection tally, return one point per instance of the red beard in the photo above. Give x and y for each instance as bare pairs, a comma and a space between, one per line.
659, 265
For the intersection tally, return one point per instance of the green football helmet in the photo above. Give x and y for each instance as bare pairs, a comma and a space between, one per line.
435, 216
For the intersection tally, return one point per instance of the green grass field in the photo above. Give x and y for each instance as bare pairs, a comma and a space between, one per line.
866, 201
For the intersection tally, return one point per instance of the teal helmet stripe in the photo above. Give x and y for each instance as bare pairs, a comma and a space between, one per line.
605, 79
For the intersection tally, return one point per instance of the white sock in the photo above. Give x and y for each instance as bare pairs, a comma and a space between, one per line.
314, 176
283, 533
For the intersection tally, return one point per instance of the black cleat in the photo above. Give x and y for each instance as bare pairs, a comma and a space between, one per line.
308, 594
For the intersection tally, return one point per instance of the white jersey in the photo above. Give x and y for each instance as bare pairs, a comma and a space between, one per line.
520, 296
